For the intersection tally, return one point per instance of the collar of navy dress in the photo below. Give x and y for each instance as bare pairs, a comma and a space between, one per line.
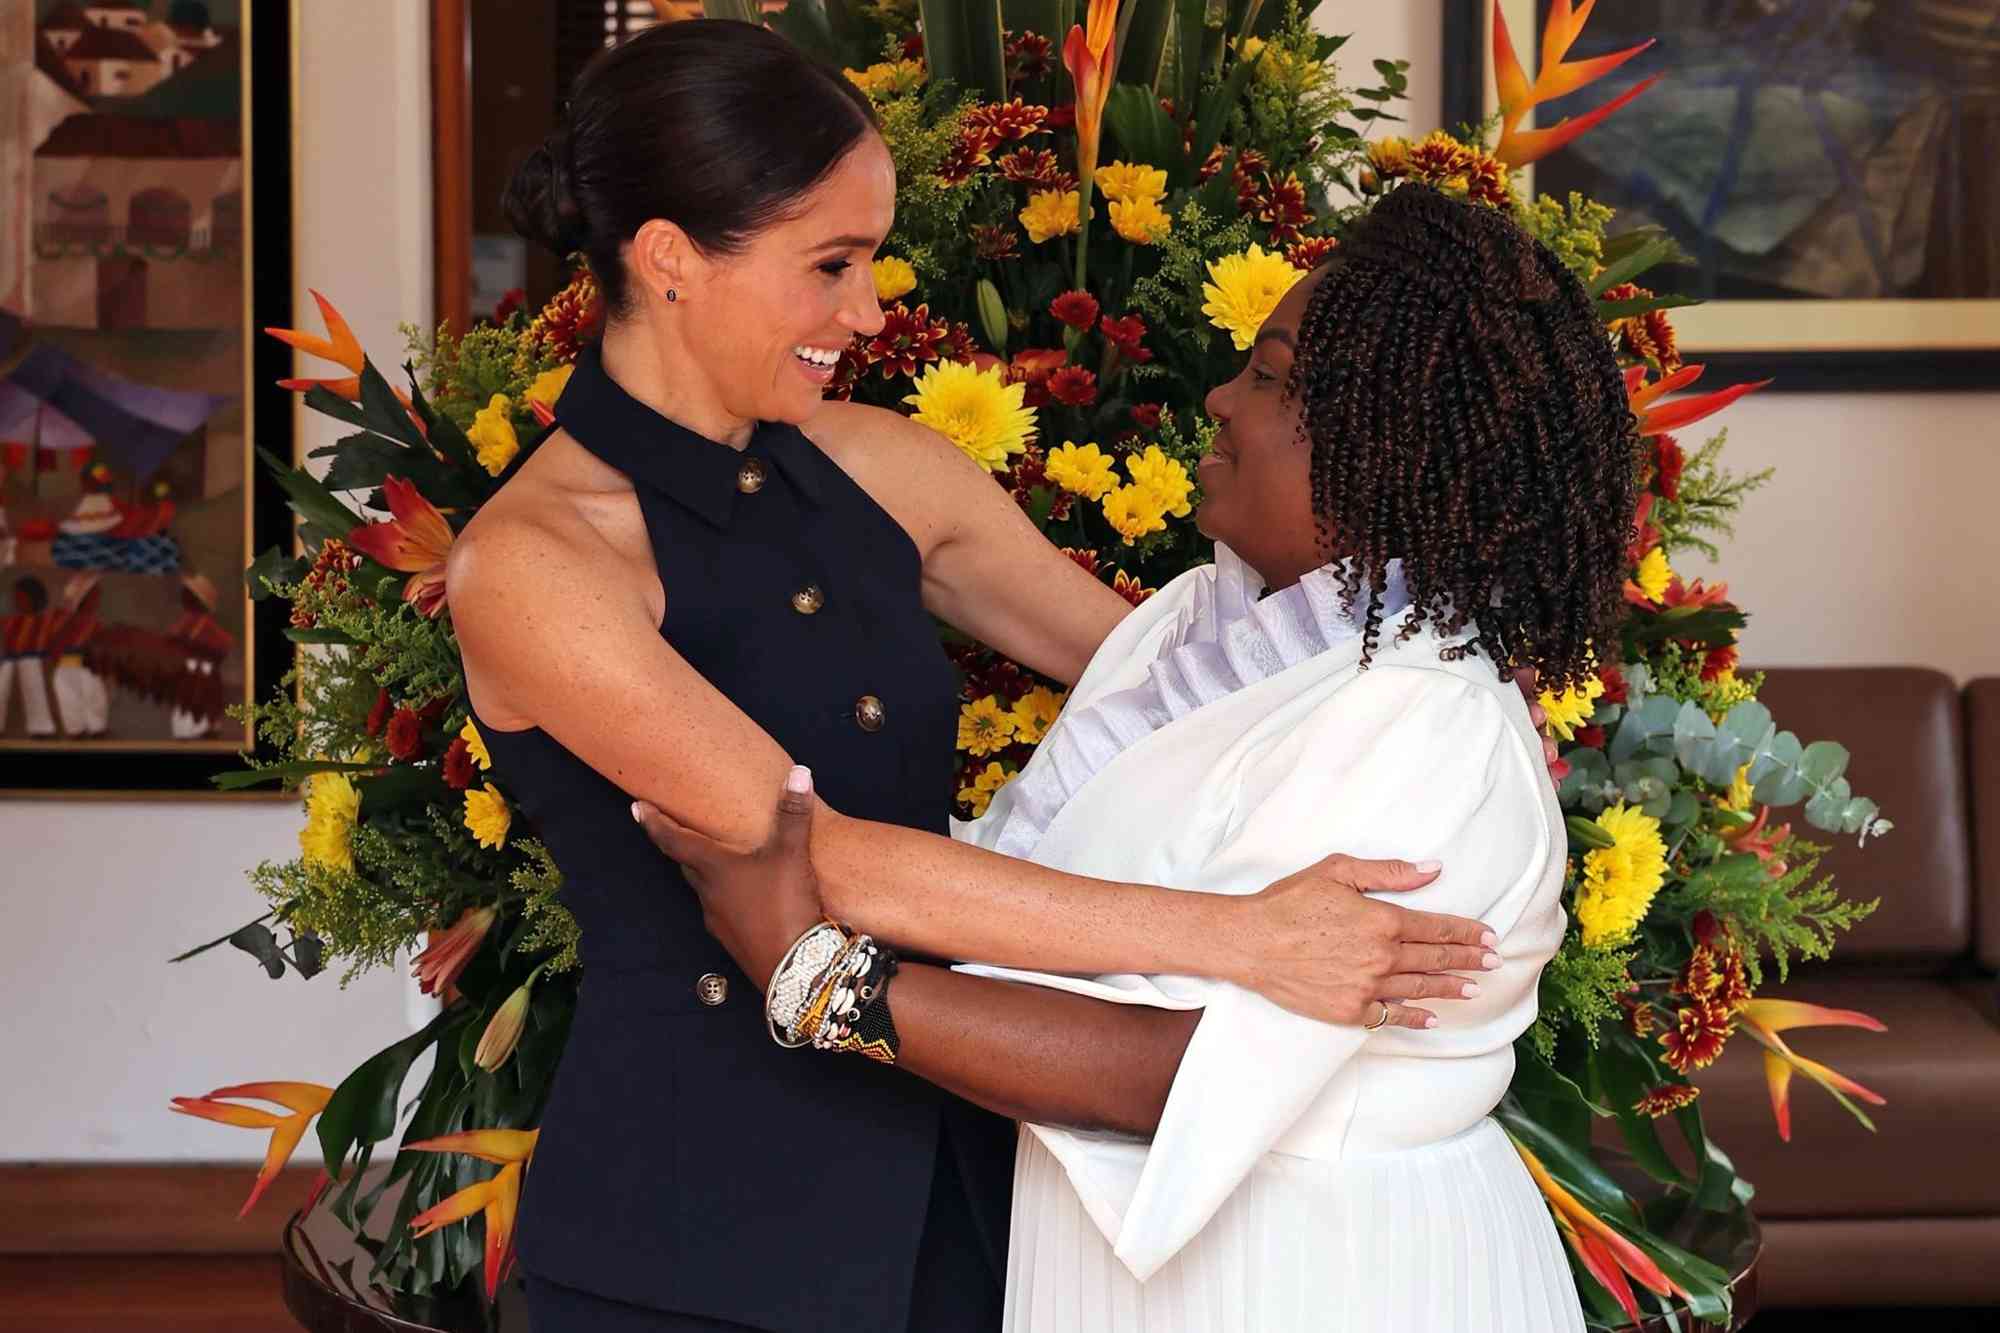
701, 475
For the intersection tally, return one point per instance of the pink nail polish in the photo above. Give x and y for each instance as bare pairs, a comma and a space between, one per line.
1431, 1021
800, 780
1426, 867
1489, 940
1490, 961
1471, 989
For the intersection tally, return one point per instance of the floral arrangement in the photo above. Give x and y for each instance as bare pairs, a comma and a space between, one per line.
1086, 240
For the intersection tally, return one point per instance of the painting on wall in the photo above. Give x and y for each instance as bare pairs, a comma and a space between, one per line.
140, 227
1825, 164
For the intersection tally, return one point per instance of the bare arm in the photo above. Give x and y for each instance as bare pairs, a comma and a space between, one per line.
548, 636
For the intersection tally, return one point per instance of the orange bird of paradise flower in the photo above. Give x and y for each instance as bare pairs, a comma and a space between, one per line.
340, 345
415, 541
1765, 1019
1682, 411
1555, 78
1607, 1254
303, 1100
1090, 55
497, 1198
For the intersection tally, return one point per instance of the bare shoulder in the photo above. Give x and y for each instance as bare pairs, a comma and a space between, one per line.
919, 476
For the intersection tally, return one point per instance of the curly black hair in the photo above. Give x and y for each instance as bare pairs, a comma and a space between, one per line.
1467, 416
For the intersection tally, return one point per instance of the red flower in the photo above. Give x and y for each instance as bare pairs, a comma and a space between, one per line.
1718, 661
1006, 120
1311, 252
1734, 992
406, 735
1614, 685
437, 967
460, 769
1666, 1099
1128, 587
908, 339
1668, 461
1216, 157
1590, 737
1639, 1017
1061, 117
1085, 560
1074, 386
848, 371
995, 243
1126, 335
1761, 842
572, 317
379, 714
1146, 416
1076, 309
1699, 1033
1282, 204
1707, 927
973, 150
1033, 366
509, 303
1036, 167
1700, 976
1027, 56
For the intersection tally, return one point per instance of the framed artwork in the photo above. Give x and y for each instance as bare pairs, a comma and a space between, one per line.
145, 226
1825, 164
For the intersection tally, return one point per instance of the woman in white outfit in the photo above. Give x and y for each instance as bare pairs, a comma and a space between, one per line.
1425, 468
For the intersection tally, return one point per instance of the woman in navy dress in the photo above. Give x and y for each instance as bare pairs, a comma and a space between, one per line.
707, 574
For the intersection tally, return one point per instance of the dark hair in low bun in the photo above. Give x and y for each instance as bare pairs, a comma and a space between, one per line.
715, 126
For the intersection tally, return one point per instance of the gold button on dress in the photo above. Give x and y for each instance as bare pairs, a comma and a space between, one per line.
712, 989
868, 714
808, 599
750, 477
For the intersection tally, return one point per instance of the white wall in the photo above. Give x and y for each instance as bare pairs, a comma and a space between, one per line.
99, 1030
1876, 537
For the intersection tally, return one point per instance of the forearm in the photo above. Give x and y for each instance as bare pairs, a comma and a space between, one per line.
948, 899
1031, 1053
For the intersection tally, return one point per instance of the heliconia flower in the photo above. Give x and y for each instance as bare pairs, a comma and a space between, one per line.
1760, 842
1683, 411
438, 966
1606, 1252
1765, 1019
1090, 55
498, 1198
303, 1100
415, 541
340, 345
1554, 79
1694, 594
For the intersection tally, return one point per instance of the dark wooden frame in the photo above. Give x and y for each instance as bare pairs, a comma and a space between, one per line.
113, 773
1464, 61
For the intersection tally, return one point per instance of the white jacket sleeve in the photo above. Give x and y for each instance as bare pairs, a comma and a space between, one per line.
1400, 762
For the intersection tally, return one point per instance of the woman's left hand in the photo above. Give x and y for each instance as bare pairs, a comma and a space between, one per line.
755, 900
1527, 681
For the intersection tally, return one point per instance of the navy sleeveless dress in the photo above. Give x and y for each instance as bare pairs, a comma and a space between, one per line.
687, 1164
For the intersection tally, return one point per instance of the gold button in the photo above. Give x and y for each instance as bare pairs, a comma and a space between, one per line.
750, 477
868, 714
712, 989
808, 599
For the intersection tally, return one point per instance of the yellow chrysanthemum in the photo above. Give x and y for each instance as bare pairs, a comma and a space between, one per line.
1140, 221
1654, 574
888, 78
1050, 213
333, 806
980, 794
977, 410
984, 727
1134, 511
1243, 290
475, 744
1619, 881
1572, 708
1390, 156
1738, 795
549, 386
487, 815
893, 278
1035, 712
492, 434
1131, 180
1281, 66
1164, 477
1081, 469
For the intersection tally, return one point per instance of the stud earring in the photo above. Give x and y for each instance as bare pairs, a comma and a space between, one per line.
673, 295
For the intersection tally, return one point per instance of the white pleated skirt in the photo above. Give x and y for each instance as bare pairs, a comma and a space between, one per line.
1450, 1237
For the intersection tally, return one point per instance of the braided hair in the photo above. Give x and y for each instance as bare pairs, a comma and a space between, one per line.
1466, 416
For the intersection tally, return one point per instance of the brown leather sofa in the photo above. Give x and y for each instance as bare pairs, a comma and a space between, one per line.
1910, 1214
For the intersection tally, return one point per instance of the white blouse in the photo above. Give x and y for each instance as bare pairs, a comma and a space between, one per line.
1218, 743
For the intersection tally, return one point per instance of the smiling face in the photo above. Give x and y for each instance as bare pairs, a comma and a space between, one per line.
766, 324
1256, 480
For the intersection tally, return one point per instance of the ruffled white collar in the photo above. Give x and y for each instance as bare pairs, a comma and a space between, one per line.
1225, 637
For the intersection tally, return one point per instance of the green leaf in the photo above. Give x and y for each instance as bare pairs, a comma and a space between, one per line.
1658, 249
444, 434
386, 413
1572, 1166
1213, 115
1588, 832
1780, 783
1189, 15
1639, 305
287, 773
363, 1108
333, 405
257, 940
1622, 1073
216, 943
276, 565
1143, 27
1694, 740
297, 635
1145, 132
1551, 1097
963, 45
1823, 762
325, 516
742, 11
402, 786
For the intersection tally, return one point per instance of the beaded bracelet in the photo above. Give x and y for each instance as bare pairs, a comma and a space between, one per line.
795, 981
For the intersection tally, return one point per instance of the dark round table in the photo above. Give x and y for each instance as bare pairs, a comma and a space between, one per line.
326, 1287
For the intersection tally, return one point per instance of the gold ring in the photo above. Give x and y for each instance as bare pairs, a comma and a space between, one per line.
1370, 1027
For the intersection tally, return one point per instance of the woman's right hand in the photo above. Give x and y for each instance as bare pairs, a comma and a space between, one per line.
1312, 943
